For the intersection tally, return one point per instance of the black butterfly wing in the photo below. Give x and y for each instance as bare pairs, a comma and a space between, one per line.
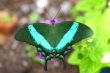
24, 36
83, 32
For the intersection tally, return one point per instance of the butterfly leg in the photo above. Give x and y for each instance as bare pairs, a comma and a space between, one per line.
64, 64
69, 50
63, 60
45, 66
46, 60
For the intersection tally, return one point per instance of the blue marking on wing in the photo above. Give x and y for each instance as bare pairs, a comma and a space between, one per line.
39, 39
68, 37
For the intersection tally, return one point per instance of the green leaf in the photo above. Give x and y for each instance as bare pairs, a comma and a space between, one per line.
89, 53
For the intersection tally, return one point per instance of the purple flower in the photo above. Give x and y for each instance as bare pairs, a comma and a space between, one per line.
49, 21
40, 56
53, 60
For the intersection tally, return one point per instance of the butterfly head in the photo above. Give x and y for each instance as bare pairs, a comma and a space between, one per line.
53, 21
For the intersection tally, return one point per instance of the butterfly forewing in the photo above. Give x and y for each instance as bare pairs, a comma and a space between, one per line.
82, 33
24, 36
75, 32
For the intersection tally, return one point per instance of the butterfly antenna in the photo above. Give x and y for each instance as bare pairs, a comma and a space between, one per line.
48, 13
58, 9
57, 12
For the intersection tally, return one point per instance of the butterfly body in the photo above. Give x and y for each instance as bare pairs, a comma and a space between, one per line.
54, 40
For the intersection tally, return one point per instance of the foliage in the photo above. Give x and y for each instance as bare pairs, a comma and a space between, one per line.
89, 52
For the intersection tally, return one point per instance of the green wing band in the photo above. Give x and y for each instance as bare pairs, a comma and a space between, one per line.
38, 38
68, 37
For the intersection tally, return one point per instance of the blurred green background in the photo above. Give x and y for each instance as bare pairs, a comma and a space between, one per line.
90, 55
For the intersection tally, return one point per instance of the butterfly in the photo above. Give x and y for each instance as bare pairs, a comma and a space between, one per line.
54, 40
